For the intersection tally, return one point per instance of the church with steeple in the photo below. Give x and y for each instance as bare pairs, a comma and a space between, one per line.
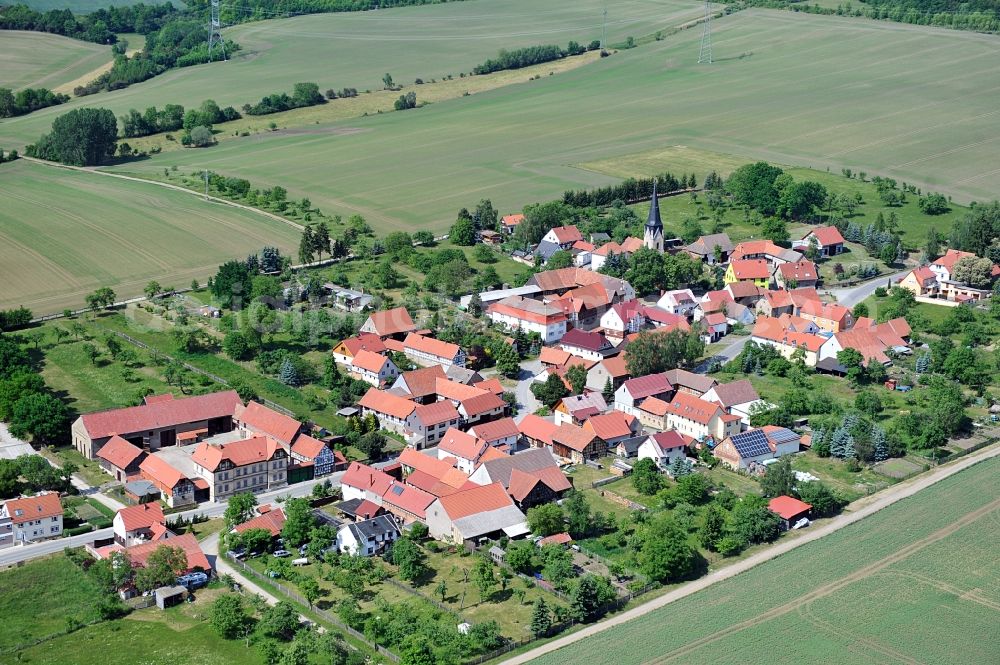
653, 237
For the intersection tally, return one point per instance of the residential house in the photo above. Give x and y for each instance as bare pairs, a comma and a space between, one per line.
366, 483
800, 273
943, 265
348, 300
757, 271
663, 321
584, 306
490, 237
502, 434
653, 413
621, 319
536, 431
476, 514
716, 326
577, 444
271, 520
953, 289
563, 236
581, 251
744, 293
419, 385
427, 351
258, 464
689, 382
473, 404
409, 503
700, 419
613, 427
120, 458
558, 282
873, 341
367, 537
373, 368
681, 302
138, 555
531, 477
830, 317
508, 223
517, 313
390, 323
175, 488
345, 350
663, 448
140, 523
711, 249
324, 460
629, 397
827, 240
774, 303
162, 421
31, 518
789, 509
766, 250
576, 409
772, 333
624, 250
735, 397
360, 509
470, 377
464, 448
420, 424
610, 370
922, 282
798, 324
255, 419
590, 345
741, 451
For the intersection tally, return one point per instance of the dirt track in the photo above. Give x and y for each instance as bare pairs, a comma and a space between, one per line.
862, 508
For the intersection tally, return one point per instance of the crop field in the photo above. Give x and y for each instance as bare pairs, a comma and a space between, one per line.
356, 49
39, 60
795, 97
916, 582
65, 233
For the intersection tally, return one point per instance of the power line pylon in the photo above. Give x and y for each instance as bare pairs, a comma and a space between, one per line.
705, 54
215, 40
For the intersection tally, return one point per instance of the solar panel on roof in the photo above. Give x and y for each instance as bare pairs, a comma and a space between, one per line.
784, 435
751, 444
397, 490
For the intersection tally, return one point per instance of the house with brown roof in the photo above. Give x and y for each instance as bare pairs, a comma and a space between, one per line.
364, 482
558, 282
652, 413
756, 271
623, 318
120, 458
577, 409
476, 514
175, 488
421, 424
827, 240
774, 303
255, 419
613, 427
800, 273
139, 555
577, 444
830, 317
474, 404
324, 459
766, 250
789, 509
624, 250
139, 524
29, 519
589, 345
419, 384
373, 368
873, 341
700, 419
564, 236
464, 448
711, 249
162, 421
584, 306
258, 464
771, 332
663, 448
629, 397
689, 382
426, 351
922, 282
272, 521
531, 477
393, 323
611, 369
517, 313
536, 431
344, 351
508, 223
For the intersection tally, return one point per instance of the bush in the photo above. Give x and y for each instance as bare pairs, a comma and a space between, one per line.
201, 137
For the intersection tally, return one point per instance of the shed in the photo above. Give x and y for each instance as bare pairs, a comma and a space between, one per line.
141, 491
168, 596
497, 554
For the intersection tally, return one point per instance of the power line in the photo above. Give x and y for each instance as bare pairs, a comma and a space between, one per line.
705, 54
215, 32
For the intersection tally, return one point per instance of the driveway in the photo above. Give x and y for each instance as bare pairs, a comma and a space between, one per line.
526, 402
849, 297
725, 355
11, 447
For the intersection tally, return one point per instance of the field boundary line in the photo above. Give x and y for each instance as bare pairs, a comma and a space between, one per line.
215, 199
888, 497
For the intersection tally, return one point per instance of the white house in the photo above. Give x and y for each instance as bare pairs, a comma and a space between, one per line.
465, 448
757, 445
564, 236
588, 345
631, 393
501, 433
622, 319
474, 514
421, 424
373, 368
31, 518
368, 537
680, 301
517, 313
140, 523
663, 448
427, 351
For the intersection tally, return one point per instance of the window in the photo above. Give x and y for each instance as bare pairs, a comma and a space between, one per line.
55, 529
55, 519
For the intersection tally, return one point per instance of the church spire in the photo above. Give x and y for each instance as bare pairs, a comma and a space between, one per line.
653, 236
654, 211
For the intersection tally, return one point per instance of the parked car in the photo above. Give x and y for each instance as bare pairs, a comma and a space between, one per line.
280, 554
193, 580
304, 561
239, 554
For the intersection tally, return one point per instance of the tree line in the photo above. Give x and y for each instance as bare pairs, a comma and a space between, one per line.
979, 15
303, 94
100, 27
631, 190
26, 403
28, 100
530, 55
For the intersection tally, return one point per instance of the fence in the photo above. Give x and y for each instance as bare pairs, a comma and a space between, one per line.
622, 501
326, 616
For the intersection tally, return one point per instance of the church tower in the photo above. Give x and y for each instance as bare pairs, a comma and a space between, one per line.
653, 237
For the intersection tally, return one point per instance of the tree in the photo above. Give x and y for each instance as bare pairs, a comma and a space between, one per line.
280, 620
751, 522
103, 297
463, 232
541, 619
201, 136
692, 488
321, 239
578, 512
932, 248
546, 519
152, 289
860, 310
775, 230
409, 559
779, 479
387, 82
888, 253
238, 346
299, 522
798, 199
713, 528
484, 577
288, 374
161, 569
550, 392
646, 271
854, 362
310, 590
868, 402
441, 590
82, 137
753, 185
653, 352
974, 271
588, 596
665, 555
646, 477
307, 246
229, 617
239, 509
577, 377
417, 649
485, 215
558, 260
42, 416
507, 361
521, 556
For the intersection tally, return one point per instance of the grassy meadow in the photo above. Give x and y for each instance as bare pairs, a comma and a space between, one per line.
40, 60
65, 233
909, 583
76, 6
784, 89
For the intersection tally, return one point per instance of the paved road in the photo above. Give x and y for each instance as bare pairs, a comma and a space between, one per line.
849, 297
725, 355
11, 447
859, 510
34, 550
526, 402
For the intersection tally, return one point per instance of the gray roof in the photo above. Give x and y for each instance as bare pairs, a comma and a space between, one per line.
463, 374
632, 444
653, 221
681, 377
546, 249
489, 521
141, 487
376, 527
705, 245
529, 460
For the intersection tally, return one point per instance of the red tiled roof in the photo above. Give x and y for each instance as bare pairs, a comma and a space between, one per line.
436, 413
368, 509
537, 428
611, 425
583, 246
160, 472
645, 386
273, 521
669, 440
387, 403
495, 430
513, 220
363, 477
787, 507
751, 269
361, 342
777, 299
567, 234
160, 414
951, 257
453, 390
421, 382
743, 290
754, 247
492, 385
771, 329
28, 508
119, 452
429, 345
665, 318
800, 271
308, 447
392, 322
556, 539
693, 408
736, 392
369, 361
822, 310
924, 274
550, 355
573, 437
240, 453
655, 406
141, 516
267, 421
582, 339
460, 444
410, 499
527, 310
196, 558
715, 318
480, 404
615, 366
493, 452
826, 235
475, 500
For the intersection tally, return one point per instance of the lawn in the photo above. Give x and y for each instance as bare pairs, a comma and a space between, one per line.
63, 234
796, 100
39, 598
88, 469
908, 583
40, 60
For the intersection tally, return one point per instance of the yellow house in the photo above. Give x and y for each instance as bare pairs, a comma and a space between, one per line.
757, 271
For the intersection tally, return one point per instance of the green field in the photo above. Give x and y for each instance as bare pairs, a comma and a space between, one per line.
798, 100
65, 233
39, 60
911, 583
356, 49
76, 6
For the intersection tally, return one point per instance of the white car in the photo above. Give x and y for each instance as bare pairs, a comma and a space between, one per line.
280, 554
